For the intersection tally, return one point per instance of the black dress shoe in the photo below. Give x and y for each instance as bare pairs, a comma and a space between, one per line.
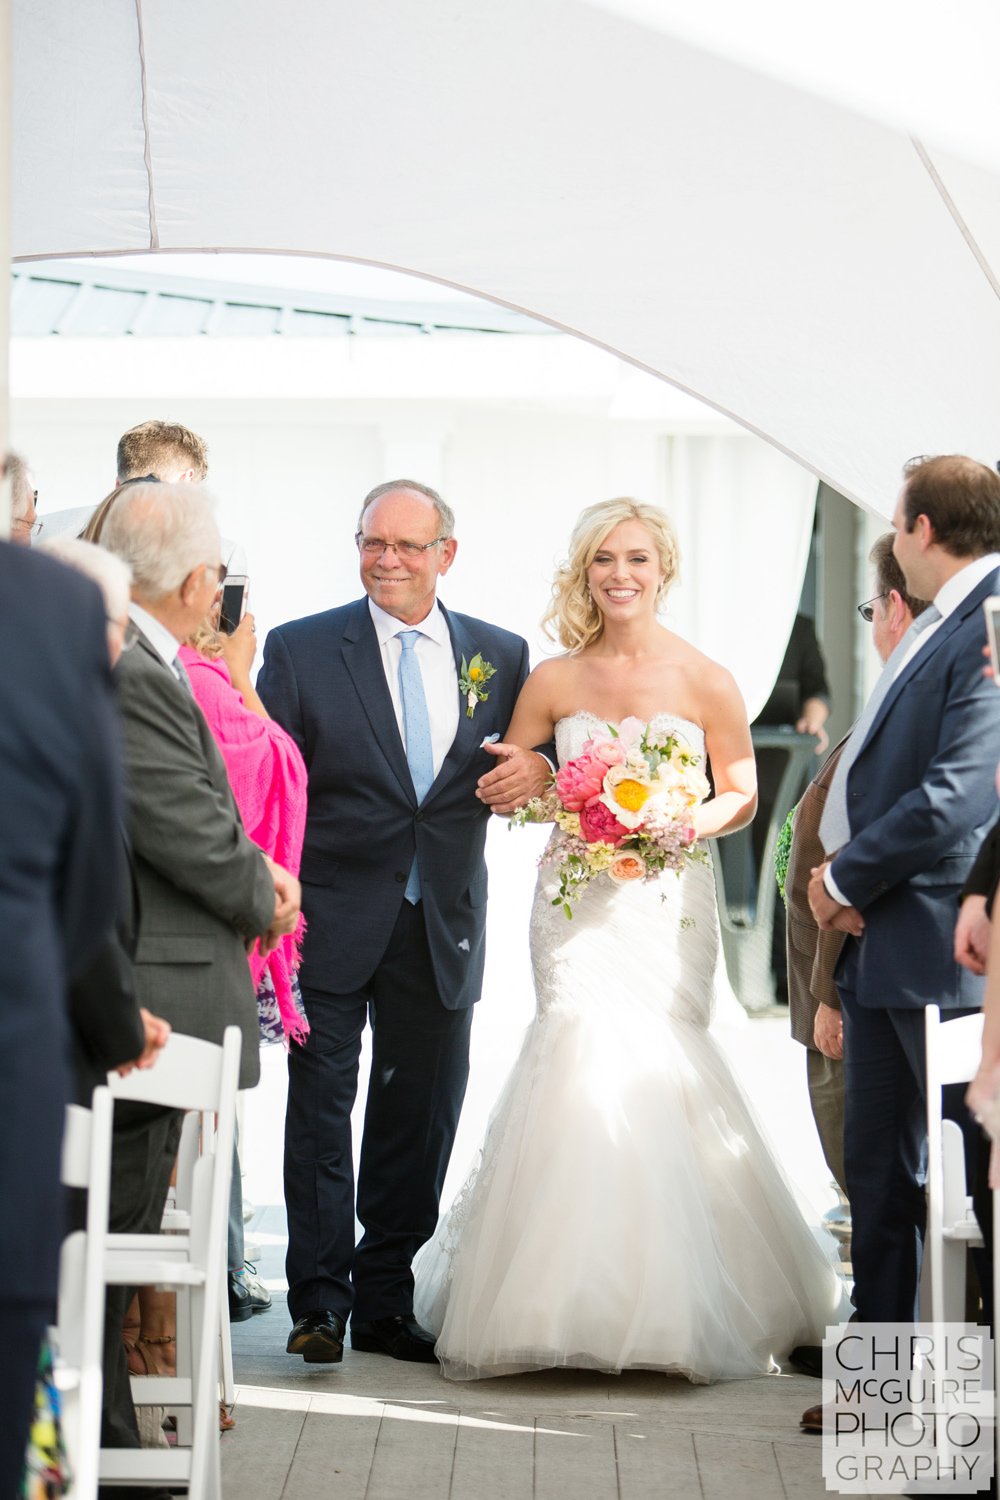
247, 1294
318, 1337
808, 1359
401, 1337
240, 1305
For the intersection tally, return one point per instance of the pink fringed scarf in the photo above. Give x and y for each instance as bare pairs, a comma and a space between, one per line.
268, 778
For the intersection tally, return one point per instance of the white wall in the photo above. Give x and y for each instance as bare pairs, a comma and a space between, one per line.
289, 474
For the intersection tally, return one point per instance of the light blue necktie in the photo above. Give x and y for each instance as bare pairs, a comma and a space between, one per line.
417, 733
835, 824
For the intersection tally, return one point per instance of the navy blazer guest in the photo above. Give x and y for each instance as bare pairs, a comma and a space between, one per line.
60, 804
375, 948
920, 796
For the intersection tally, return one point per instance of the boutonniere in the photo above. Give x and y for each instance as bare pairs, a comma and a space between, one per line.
472, 679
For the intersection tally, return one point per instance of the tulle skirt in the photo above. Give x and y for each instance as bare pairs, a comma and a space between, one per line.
625, 1211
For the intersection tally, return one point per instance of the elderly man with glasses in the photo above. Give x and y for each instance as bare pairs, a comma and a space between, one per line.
392, 700
205, 892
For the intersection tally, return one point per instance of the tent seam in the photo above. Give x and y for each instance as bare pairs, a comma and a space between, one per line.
953, 209
147, 155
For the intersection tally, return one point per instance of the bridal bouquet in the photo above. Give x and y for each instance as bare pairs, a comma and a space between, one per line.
623, 808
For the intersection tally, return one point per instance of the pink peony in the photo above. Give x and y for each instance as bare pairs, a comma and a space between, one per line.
578, 781
598, 824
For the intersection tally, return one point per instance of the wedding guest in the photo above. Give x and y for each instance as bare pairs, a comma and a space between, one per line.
205, 890
24, 522
394, 885
800, 699
60, 791
814, 1005
166, 450
975, 915
813, 1001
905, 815
110, 1028
268, 780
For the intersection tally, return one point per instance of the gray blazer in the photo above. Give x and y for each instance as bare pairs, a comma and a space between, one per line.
204, 890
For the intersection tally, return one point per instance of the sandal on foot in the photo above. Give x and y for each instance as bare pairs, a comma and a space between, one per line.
149, 1419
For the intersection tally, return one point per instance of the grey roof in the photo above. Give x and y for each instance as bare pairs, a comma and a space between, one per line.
52, 297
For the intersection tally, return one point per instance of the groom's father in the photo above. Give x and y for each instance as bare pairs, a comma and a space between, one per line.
394, 894
911, 800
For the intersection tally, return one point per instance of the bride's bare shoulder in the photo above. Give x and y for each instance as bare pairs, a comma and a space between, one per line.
553, 676
709, 682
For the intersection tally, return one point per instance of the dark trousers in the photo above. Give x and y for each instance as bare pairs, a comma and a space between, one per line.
143, 1152
22, 1325
420, 1066
885, 1152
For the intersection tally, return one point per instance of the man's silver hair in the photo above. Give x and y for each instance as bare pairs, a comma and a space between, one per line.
112, 576
163, 532
20, 486
445, 514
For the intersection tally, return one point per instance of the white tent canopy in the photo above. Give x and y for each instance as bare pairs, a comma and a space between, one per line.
814, 272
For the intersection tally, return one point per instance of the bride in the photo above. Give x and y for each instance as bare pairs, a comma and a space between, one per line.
625, 1212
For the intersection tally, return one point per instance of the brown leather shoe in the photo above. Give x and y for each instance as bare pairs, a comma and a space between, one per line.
811, 1419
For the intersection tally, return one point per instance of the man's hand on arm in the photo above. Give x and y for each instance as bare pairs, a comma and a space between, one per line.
518, 776
287, 905
830, 914
828, 1031
972, 935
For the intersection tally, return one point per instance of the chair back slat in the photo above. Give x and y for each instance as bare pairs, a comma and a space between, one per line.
186, 1075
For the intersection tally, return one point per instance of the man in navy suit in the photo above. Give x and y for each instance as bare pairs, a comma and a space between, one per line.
901, 831
394, 894
60, 795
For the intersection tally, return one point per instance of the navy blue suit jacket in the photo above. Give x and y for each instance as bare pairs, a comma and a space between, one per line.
60, 810
921, 796
323, 680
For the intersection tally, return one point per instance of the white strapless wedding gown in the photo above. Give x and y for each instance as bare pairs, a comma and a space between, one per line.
625, 1212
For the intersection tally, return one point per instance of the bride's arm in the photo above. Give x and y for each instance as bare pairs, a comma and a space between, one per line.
730, 752
532, 724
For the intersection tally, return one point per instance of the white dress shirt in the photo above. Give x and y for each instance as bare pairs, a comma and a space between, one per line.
436, 658
947, 599
159, 637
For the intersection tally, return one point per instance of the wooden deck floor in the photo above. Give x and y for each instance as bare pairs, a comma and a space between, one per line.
378, 1429
375, 1429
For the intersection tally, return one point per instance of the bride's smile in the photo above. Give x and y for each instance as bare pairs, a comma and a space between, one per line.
625, 571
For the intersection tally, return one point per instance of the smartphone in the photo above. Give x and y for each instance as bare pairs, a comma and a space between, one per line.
234, 602
991, 609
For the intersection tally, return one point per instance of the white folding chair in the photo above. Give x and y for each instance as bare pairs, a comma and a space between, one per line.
953, 1053
198, 1134
189, 1075
79, 1331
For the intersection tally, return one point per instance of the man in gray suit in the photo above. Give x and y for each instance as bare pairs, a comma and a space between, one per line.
205, 891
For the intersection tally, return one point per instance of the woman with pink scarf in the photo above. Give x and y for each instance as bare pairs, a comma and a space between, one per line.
268, 778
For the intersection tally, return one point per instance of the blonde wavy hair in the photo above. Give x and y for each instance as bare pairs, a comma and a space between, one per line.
206, 639
572, 618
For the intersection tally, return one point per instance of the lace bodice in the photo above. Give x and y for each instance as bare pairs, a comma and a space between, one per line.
573, 731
